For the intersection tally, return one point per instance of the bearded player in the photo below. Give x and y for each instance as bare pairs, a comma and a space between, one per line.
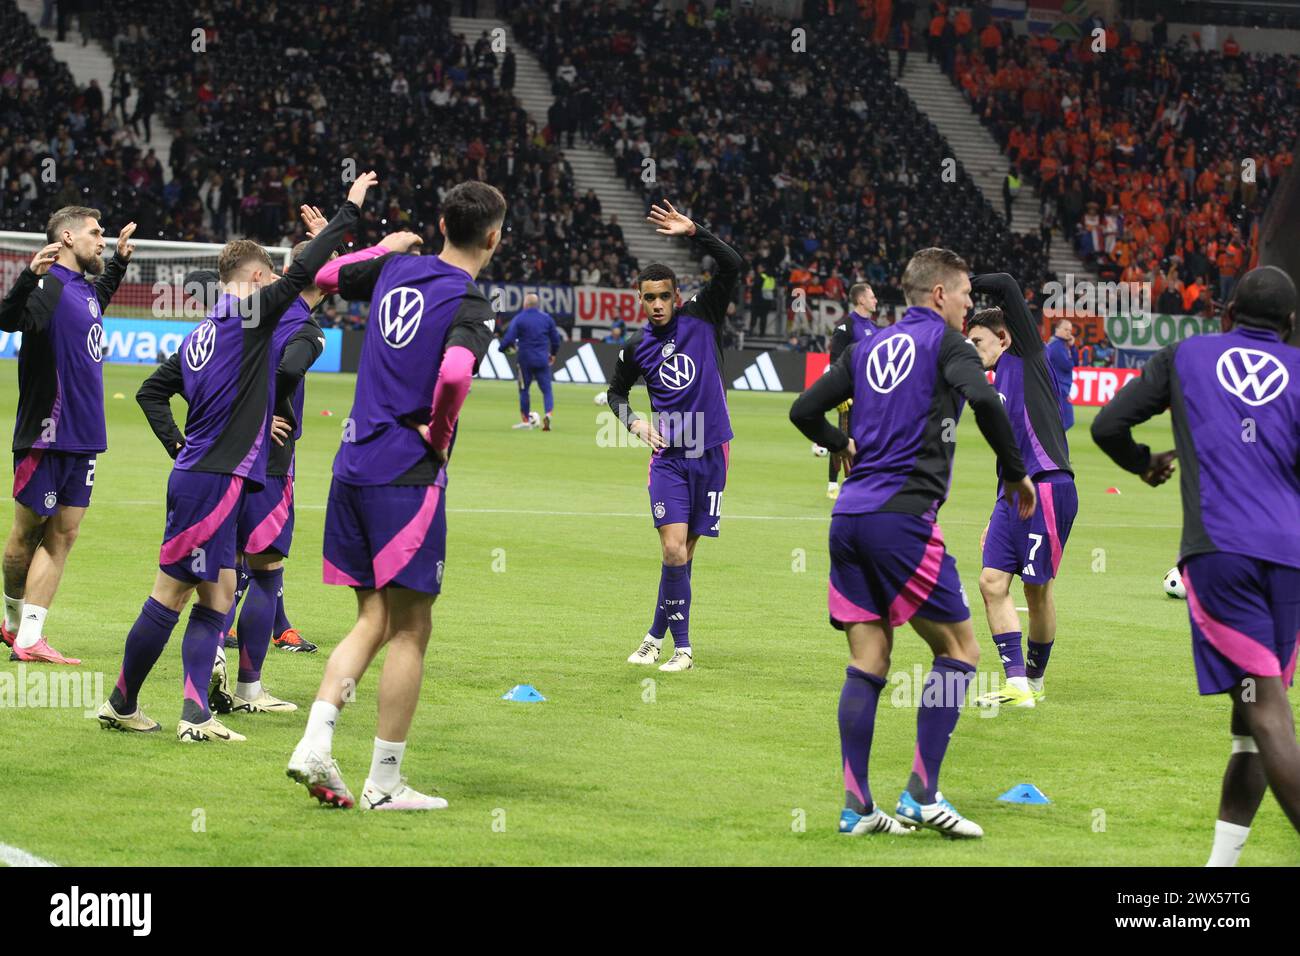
59, 429
679, 354
1235, 403
1008, 343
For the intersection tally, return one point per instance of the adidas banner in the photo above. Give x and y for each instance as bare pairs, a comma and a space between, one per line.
592, 363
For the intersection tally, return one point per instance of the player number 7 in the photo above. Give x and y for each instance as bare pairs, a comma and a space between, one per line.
1038, 540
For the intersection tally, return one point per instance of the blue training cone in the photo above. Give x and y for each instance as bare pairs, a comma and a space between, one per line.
524, 693
1024, 793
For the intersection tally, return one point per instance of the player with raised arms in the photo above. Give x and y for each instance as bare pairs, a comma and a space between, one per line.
386, 520
1234, 399
1008, 342
856, 327
888, 561
227, 379
679, 354
59, 429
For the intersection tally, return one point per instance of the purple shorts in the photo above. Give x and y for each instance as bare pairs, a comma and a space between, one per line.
894, 566
1033, 548
45, 479
689, 490
266, 517
1245, 614
379, 536
202, 518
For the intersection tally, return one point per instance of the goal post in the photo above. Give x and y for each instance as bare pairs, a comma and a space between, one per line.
153, 287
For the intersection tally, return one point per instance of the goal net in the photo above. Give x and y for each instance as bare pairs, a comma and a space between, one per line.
154, 284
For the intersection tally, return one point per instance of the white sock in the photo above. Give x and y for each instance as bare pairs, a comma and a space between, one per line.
1020, 683
656, 641
1229, 841
684, 649
386, 764
319, 735
33, 623
13, 613
248, 691
1035, 683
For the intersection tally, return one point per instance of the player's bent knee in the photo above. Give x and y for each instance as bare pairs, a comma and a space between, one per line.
1038, 595
994, 585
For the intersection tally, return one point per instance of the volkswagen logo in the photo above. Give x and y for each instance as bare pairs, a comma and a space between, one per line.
677, 371
1254, 376
890, 362
399, 315
201, 345
95, 342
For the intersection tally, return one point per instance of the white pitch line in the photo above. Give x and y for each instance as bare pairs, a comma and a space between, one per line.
12, 856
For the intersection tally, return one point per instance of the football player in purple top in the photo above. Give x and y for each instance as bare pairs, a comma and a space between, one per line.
1009, 344
889, 565
228, 379
679, 354
1234, 399
386, 520
59, 428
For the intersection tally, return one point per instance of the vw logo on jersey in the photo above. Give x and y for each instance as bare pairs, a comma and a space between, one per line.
399, 315
668, 349
1253, 376
95, 342
201, 346
93, 304
677, 371
890, 362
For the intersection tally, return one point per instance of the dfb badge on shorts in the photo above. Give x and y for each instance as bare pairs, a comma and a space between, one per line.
51, 499
438, 571
660, 510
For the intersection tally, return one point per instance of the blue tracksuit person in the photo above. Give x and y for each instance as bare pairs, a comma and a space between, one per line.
538, 339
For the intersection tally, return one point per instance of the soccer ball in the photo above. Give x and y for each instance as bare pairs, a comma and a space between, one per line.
1174, 585
534, 419
602, 398
819, 451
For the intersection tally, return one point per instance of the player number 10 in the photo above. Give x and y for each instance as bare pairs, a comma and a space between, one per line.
715, 504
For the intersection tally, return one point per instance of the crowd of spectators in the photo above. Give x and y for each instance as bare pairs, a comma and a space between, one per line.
273, 105
1156, 160
802, 153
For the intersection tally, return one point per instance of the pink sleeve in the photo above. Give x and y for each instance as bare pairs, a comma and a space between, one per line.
449, 394
327, 279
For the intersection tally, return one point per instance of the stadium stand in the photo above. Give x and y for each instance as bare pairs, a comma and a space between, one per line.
814, 167
1141, 149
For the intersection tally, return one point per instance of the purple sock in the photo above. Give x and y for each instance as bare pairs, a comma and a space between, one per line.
281, 619
199, 653
858, 701
241, 585
1038, 655
659, 627
144, 645
1009, 653
941, 699
675, 580
255, 622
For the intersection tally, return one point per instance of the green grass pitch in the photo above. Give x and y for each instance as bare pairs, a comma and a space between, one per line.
552, 570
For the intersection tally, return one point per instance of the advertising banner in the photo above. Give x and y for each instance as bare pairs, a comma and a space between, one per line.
149, 341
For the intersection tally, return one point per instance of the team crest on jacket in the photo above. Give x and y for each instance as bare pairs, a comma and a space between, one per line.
93, 304
201, 346
668, 349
